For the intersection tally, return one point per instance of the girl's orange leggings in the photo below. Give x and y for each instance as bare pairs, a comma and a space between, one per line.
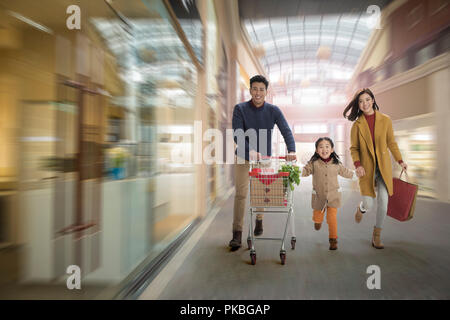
331, 220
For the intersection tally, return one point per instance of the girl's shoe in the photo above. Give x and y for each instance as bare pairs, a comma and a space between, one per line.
317, 226
333, 244
376, 238
358, 215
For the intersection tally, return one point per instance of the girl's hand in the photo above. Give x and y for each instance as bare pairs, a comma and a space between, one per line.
360, 172
404, 166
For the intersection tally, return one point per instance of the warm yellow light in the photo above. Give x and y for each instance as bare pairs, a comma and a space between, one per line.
323, 53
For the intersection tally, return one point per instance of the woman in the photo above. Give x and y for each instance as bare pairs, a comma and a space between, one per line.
371, 136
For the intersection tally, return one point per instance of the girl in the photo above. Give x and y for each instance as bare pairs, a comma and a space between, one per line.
371, 136
325, 166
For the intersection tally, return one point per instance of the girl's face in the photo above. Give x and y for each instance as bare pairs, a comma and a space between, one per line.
324, 149
365, 103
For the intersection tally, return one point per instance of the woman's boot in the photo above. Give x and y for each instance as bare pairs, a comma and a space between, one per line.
376, 238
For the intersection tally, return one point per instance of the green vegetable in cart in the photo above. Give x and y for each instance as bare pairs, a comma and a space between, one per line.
294, 175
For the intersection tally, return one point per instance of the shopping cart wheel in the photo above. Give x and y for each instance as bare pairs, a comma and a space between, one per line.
249, 243
253, 257
293, 241
283, 257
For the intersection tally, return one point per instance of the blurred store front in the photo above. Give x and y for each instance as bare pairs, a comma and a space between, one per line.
94, 121
416, 139
406, 64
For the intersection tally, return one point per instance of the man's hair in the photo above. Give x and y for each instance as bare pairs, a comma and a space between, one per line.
259, 78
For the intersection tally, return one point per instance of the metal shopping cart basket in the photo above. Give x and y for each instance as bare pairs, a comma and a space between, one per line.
270, 193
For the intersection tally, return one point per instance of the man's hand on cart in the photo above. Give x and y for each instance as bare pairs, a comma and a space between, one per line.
254, 156
291, 156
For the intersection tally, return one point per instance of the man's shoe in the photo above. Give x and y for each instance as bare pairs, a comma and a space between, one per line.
258, 228
358, 215
235, 243
333, 244
317, 226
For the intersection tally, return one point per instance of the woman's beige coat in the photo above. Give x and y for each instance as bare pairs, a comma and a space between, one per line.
325, 182
362, 150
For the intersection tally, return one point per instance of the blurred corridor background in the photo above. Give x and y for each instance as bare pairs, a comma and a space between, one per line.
95, 118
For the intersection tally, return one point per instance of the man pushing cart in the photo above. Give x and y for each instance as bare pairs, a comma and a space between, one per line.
255, 118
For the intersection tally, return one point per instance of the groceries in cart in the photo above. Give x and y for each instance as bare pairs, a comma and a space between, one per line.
268, 186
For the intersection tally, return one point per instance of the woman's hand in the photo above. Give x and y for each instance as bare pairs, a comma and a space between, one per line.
360, 172
404, 166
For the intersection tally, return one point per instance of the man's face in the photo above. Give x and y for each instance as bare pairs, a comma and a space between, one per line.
258, 92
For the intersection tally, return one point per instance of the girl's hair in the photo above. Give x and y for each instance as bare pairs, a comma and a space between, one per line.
353, 106
333, 155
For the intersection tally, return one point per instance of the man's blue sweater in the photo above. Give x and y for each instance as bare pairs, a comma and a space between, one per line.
247, 116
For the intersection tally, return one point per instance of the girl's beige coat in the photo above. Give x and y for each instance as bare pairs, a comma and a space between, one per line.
325, 182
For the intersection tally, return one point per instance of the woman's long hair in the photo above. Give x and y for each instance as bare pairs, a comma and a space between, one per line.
333, 155
353, 106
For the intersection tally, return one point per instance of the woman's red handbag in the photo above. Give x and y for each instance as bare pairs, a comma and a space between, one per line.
402, 203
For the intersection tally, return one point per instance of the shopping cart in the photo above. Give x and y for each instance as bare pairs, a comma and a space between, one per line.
270, 193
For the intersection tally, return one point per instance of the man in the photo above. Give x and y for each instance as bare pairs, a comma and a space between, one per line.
256, 118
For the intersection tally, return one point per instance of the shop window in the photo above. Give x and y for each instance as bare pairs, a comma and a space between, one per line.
425, 54
89, 144
189, 19
400, 66
444, 45
113, 130
418, 148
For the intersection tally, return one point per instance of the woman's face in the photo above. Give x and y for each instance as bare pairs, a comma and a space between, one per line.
365, 103
324, 149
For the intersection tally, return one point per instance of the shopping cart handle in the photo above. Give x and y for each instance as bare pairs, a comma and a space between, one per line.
273, 174
269, 157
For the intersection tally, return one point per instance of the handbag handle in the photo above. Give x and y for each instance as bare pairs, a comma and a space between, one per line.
406, 174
